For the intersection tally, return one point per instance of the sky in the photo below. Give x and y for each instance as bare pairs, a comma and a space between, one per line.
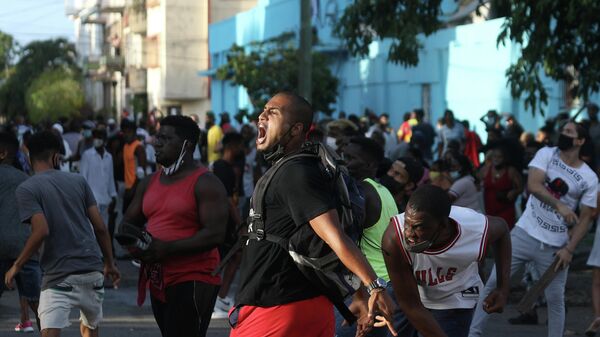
28, 20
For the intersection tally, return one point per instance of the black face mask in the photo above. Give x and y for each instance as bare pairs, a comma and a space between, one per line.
391, 184
565, 142
277, 151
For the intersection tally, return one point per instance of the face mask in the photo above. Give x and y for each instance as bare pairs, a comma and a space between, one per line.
391, 184
98, 143
421, 246
177, 164
565, 142
278, 150
87, 133
434, 175
331, 142
454, 175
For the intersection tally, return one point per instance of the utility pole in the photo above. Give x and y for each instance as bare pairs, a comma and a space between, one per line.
305, 51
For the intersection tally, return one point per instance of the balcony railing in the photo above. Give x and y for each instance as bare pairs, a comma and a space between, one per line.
111, 63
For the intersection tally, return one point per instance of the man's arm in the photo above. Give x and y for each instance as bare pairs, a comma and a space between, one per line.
535, 185
103, 239
83, 166
499, 238
140, 153
134, 214
405, 287
327, 227
213, 209
372, 205
579, 231
112, 189
39, 232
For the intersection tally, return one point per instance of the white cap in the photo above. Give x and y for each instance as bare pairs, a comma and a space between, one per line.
111, 121
58, 128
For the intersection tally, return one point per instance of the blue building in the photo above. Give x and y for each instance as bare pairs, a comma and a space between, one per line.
461, 68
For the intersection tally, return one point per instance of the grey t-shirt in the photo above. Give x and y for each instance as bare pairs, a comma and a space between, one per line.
13, 233
71, 246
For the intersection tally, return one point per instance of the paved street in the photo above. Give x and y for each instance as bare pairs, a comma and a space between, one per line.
124, 319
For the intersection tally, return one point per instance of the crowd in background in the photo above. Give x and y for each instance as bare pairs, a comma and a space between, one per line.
488, 177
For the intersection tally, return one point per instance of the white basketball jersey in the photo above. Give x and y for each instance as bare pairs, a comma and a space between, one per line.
448, 277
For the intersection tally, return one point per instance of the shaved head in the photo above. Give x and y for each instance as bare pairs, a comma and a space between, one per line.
300, 111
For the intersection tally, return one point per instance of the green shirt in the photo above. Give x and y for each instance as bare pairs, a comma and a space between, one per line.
370, 243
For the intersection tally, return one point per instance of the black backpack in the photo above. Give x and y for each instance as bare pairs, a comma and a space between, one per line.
315, 259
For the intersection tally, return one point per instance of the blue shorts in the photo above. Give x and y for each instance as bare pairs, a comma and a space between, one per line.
28, 280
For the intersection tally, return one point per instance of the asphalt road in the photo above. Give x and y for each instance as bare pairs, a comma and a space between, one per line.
123, 318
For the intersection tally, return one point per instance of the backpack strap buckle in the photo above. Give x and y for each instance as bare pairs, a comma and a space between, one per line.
256, 226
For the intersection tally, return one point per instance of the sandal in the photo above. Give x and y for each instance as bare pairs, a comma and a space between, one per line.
591, 330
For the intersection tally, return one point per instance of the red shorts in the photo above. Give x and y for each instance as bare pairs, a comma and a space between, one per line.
312, 317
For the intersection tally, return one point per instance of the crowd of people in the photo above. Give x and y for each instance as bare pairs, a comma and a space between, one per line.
432, 200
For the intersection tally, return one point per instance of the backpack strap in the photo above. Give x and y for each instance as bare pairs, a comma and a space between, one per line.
256, 221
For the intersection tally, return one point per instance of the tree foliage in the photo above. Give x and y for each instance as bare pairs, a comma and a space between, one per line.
266, 67
55, 93
558, 38
8, 51
35, 58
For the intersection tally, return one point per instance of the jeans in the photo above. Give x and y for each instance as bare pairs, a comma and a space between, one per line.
525, 249
401, 324
454, 322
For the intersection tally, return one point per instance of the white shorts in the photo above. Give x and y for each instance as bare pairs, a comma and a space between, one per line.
82, 291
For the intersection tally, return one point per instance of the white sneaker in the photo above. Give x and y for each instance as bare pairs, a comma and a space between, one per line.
219, 314
223, 304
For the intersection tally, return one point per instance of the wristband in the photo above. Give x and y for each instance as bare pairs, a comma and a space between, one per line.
570, 251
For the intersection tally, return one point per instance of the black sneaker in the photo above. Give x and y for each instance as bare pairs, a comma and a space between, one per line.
529, 318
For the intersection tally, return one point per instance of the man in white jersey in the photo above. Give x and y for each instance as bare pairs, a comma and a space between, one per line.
432, 253
558, 183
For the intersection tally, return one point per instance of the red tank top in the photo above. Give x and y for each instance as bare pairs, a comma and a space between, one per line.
493, 205
172, 214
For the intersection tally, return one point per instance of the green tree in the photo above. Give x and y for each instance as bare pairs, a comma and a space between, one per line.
35, 58
55, 93
8, 51
558, 38
266, 67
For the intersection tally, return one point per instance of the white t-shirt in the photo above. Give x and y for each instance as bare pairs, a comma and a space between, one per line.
572, 186
448, 278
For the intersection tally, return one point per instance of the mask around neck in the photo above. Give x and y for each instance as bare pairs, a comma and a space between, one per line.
168, 171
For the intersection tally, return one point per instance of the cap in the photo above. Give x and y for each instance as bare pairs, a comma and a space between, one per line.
58, 128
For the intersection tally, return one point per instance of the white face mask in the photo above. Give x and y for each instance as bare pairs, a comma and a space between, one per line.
454, 175
98, 142
331, 142
177, 164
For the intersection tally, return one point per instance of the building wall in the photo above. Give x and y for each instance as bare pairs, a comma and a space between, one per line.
223, 9
460, 68
186, 49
